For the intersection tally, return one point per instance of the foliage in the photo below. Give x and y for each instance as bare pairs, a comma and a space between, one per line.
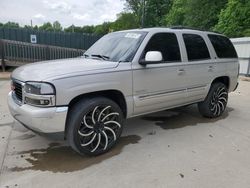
155, 11
57, 26
88, 29
103, 28
234, 20
73, 29
176, 15
10, 25
136, 6
149, 13
46, 27
125, 21
203, 14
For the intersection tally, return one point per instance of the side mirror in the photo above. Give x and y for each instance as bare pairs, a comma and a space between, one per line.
152, 57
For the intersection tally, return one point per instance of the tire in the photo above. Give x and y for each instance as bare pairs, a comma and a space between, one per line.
216, 101
94, 125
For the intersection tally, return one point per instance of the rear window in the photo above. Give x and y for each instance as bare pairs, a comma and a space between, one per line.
222, 46
196, 47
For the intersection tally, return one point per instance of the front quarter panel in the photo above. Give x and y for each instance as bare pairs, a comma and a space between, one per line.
119, 78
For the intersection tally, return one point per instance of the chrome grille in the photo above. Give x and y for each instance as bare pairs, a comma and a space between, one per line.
18, 90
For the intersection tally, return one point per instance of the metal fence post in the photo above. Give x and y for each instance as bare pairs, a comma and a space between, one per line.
248, 68
2, 55
47, 53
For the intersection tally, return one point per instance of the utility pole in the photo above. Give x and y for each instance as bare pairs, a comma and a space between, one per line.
143, 13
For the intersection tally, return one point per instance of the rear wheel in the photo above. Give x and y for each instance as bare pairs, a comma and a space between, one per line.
94, 125
216, 101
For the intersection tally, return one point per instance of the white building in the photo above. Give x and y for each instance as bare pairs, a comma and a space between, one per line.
242, 46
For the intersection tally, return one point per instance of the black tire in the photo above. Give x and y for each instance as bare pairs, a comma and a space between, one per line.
94, 125
216, 101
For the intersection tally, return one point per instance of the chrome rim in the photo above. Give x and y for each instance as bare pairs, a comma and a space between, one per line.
219, 101
99, 128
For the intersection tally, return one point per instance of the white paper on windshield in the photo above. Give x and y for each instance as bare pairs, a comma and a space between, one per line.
133, 35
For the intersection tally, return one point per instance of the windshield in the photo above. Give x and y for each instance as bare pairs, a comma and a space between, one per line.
119, 46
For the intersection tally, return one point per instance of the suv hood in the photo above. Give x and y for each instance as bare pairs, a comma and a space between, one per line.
47, 70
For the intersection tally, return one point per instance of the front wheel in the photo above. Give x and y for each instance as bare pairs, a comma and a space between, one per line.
94, 125
216, 101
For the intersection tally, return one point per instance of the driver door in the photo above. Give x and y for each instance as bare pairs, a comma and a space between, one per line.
162, 85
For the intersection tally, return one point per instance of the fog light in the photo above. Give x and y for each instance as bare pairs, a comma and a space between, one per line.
39, 102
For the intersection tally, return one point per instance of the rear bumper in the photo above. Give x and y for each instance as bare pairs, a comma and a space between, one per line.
43, 120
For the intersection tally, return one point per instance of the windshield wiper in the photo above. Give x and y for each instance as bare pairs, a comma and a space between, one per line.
85, 55
104, 57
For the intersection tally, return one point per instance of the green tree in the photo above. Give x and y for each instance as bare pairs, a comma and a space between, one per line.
153, 11
103, 28
11, 25
36, 27
176, 15
234, 20
137, 7
57, 26
73, 29
203, 14
46, 27
88, 29
27, 27
125, 21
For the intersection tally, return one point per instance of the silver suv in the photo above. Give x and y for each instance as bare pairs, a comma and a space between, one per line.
124, 74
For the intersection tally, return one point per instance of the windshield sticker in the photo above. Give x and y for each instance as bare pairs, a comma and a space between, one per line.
133, 35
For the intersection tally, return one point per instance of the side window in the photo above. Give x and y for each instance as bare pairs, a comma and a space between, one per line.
222, 46
167, 44
196, 47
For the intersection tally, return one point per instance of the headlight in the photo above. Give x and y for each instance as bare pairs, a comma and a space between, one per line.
39, 94
38, 88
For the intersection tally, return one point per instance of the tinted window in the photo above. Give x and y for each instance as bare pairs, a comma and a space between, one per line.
196, 47
223, 46
167, 44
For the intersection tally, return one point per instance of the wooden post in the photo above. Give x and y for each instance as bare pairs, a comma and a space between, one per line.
2, 54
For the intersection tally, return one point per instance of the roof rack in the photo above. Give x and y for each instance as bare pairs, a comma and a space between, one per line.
185, 27
191, 28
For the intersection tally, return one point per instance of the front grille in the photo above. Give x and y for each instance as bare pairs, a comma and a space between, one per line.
18, 90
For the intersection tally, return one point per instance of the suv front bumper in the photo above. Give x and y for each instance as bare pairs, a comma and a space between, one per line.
42, 120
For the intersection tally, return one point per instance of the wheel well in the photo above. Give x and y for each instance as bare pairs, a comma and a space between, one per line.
223, 79
113, 95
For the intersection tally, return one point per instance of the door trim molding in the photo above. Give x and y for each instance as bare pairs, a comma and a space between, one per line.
159, 94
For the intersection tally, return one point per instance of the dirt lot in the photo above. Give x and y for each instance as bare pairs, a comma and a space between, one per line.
175, 148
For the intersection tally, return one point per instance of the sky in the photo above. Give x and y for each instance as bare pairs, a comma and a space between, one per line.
67, 12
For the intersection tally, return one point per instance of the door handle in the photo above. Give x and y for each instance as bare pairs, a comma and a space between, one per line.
211, 68
181, 71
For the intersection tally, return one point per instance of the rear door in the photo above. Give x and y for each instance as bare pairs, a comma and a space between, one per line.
227, 59
200, 66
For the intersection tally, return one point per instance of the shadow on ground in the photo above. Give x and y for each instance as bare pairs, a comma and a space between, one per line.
182, 117
58, 158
